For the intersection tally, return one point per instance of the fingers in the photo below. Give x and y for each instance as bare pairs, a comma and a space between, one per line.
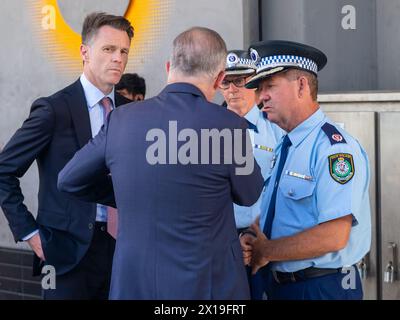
246, 241
247, 248
36, 245
40, 254
246, 257
256, 227
257, 220
247, 251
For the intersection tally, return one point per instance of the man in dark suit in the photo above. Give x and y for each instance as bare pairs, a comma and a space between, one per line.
68, 234
174, 188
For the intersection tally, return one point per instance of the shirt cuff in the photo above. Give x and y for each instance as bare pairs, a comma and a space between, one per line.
30, 235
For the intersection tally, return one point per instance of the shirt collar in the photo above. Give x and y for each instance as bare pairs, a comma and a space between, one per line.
253, 115
92, 94
298, 134
183, 87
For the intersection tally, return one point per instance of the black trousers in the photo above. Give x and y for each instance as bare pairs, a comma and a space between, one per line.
90, 279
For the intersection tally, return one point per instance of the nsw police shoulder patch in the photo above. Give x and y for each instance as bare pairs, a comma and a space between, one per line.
341, 167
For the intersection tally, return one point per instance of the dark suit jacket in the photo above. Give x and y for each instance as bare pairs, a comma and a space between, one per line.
176, 236
56, 128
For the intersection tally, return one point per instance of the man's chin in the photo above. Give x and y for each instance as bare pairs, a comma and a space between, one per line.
235, 104
114, 80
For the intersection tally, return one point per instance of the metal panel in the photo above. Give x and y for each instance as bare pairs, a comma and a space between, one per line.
389, 171
361, 125
352, 53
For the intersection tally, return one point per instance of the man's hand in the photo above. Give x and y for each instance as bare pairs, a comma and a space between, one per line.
245, 242
259, 248
36, 245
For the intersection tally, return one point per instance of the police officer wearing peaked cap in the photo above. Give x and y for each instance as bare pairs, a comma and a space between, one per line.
264, 135
315, 222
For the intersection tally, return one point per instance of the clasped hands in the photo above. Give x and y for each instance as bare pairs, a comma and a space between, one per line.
255, 246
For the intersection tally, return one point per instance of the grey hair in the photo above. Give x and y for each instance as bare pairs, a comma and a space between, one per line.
198, 51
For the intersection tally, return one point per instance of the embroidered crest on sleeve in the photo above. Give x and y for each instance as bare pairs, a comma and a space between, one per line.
341, 167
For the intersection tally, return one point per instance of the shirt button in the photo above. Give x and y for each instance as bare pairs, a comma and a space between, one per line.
291, 192
103, 228
90, 226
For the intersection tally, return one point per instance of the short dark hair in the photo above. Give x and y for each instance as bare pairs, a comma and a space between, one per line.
133, 83
94, 21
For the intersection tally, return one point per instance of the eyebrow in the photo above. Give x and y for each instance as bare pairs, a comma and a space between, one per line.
114, 47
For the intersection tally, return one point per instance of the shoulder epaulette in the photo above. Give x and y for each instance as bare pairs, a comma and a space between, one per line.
333, 134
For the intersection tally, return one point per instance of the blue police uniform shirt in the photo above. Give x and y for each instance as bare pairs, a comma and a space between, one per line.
264, 139
316, 186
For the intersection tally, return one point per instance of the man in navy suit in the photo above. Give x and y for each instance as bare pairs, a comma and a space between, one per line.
174, 189
68, 234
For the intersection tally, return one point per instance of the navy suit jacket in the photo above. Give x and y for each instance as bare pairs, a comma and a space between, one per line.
56, 128
176, 237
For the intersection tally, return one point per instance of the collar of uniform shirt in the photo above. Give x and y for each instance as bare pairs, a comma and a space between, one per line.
92, 94
253, 115
298, 134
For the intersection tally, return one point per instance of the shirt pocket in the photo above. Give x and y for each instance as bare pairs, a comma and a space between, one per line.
296, 189
295, 205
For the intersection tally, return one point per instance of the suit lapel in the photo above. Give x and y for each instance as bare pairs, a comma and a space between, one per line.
76, 102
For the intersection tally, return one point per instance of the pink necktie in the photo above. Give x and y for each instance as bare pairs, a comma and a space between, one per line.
106, 103
112, 213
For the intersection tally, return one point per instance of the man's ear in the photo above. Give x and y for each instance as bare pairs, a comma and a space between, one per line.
84, 52
168, 66
218, 80
303, 85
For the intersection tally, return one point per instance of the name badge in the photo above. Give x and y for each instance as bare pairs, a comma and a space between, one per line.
298, 175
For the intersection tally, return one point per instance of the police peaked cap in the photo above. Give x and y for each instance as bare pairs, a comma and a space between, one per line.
238, 62
274, 56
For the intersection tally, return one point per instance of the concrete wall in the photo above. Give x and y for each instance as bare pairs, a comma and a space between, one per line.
224, 16
30, 68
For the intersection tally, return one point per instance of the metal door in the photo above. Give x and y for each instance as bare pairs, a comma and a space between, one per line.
362, 126
389, 171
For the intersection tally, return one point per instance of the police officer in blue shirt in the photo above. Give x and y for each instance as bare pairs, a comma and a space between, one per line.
315, 222
264, 135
